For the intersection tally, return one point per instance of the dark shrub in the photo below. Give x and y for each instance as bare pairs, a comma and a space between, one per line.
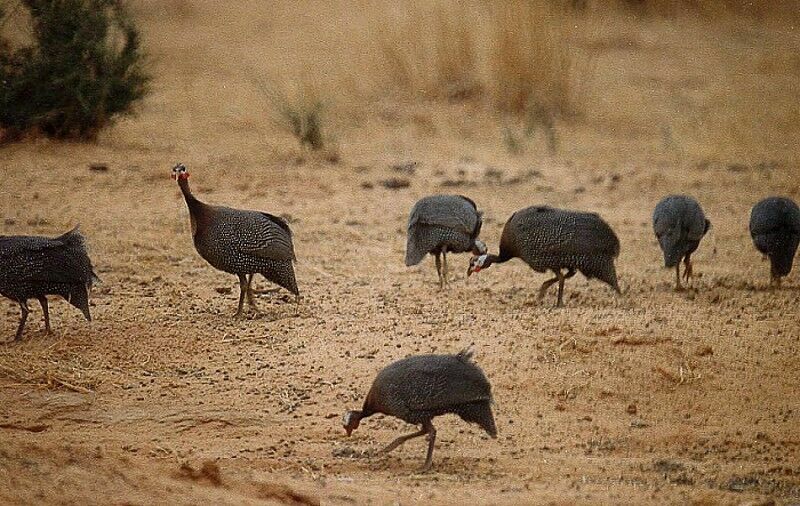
85, 67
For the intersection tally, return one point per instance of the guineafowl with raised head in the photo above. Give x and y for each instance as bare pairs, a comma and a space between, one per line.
775, 229
33, 267
240, 242
679, 224
558, 240
419, 388
439, 224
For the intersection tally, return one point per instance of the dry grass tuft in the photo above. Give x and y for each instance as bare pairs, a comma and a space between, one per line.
515, 54
300, 113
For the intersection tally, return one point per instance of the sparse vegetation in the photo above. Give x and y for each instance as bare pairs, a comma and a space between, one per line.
514, 54
82, 67
301, 114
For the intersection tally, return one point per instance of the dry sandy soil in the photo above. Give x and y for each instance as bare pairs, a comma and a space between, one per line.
652, 397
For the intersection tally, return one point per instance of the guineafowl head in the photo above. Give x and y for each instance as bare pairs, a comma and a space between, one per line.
350, 421
179, 172
669, 239
477, 263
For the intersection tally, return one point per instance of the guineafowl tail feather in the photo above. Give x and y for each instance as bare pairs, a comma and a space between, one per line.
414, 251
479, 412
79, 297
601, 268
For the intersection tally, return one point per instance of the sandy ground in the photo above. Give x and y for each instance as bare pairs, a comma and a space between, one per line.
652, 397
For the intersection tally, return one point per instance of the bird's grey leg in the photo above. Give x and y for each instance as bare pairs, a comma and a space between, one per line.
687, 271
444, 267
547, 284
439, 270
46, 311
561, 279
402, 439
678, 286
431, 441
242, 293
24, 316
251, 301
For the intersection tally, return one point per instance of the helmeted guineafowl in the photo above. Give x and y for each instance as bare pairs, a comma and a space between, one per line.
775, 229
439, 224
555, 239
418, 388
679, 224
240, 242
33, 267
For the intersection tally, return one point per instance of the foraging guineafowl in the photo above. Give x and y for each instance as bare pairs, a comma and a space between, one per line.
679, 224
554, 239
33, 267
241, 242
417, 389
775, 229
443, 223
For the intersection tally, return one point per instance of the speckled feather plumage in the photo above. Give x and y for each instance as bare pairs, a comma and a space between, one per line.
441, 223
243, 242
551, 239
417, 389
679, 224
34, 266
775, 230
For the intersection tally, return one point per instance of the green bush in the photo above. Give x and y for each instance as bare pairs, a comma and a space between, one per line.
84, 67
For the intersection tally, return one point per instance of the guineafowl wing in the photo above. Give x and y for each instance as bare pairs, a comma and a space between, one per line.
449, 211
549, 232
438, 382
261, 234
45, 260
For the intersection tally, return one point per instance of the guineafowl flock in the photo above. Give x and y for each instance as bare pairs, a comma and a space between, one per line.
418, 388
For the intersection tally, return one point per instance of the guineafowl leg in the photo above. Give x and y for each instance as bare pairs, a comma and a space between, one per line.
23, 306
561, 279
547, 284
242, 293
678, 286
402, 439
687, 271
439, 270
431, 441
444, 267
46, 311
251, 301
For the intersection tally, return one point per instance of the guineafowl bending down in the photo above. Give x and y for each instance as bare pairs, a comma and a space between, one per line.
439, 224
555, 239
241, 242
33, 267
679, 224
775, 229
417, 389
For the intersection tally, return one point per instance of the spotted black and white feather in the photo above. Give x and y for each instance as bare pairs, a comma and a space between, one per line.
775, 230
419, 388
679, 224
547, 238
442, 224
32, 267
241, 242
